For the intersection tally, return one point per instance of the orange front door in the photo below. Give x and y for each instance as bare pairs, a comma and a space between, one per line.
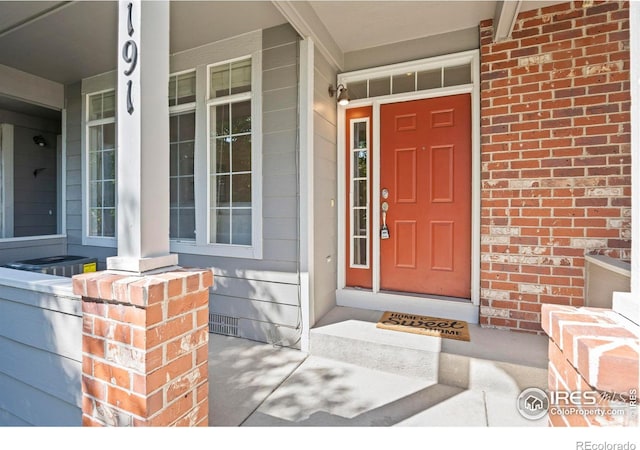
425, 167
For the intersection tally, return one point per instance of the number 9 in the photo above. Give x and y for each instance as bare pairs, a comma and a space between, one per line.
130, 56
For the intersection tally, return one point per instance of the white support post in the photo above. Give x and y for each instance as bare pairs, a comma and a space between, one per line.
143, 138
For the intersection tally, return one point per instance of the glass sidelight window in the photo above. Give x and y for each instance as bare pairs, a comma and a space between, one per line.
101, 161
230, 153
182, 136
359, 201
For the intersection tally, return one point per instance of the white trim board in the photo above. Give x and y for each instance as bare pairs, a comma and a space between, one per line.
418, 304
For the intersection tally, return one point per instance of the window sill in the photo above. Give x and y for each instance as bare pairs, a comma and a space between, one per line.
226, 251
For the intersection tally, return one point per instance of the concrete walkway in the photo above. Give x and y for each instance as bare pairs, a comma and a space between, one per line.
255, 384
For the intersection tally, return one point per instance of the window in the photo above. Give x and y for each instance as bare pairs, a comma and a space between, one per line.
230, 153
359, 201
215, 173
101, 164
182, 132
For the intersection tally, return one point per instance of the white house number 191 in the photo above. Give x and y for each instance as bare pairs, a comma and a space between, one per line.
130, 56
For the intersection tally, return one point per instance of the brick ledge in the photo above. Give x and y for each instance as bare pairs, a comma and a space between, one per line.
600, 344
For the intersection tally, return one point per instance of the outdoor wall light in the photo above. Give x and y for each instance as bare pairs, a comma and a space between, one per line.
40, 141
343, 95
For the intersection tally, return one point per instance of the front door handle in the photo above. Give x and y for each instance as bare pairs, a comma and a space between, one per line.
384, 231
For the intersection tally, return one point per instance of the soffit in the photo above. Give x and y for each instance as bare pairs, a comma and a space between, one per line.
357, 25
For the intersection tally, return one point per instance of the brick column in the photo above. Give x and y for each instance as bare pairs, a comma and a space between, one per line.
144, 348
593, 351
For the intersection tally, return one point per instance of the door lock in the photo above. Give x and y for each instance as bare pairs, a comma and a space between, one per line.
384, 231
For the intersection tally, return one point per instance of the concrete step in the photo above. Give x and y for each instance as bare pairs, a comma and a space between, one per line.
493, 360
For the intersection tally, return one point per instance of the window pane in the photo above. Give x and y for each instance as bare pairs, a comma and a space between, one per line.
219, 81
357, 89
95, 222
241, 117
379, 86
221, 190
109, 165
222, 220
95, 166
404, 83
173, 192
109, 222
187, 126
241, 76
454, 76
172, 91
185, 192
173, 128
360, 193
241, 190
186, 88
186, 158
173, 222
220, 120
360, 222
109, 136
360, 135
360, 251
108, 104
241, 153
187, 220
95, 107
174, 157
109, 194
360, 164
95, 194
241, 221
220, 163
430, 79
95, 138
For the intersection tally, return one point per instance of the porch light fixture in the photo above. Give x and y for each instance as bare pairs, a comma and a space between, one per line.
343, 95
40, 141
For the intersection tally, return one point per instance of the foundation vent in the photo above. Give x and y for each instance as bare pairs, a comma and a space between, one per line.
226, 325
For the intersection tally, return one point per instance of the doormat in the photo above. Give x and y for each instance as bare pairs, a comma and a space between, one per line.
429, 326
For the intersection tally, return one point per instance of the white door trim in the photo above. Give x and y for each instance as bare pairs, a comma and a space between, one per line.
416, 304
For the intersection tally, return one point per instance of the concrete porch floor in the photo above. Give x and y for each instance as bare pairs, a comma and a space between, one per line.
257, 384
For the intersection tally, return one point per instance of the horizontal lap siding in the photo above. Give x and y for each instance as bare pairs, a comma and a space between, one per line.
41, 348
33, 248
324, 187
555, 156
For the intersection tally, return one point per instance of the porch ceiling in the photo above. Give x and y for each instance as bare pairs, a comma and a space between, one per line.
357, 25
68, 41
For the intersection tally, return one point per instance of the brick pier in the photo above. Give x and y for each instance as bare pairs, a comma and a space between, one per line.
144, 348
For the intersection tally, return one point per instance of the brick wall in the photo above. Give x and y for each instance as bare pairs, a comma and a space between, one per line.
556, 158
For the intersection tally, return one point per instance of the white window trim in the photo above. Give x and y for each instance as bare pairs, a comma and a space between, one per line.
202, 246
97, 241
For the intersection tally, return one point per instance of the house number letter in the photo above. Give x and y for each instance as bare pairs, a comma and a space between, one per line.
130, 56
